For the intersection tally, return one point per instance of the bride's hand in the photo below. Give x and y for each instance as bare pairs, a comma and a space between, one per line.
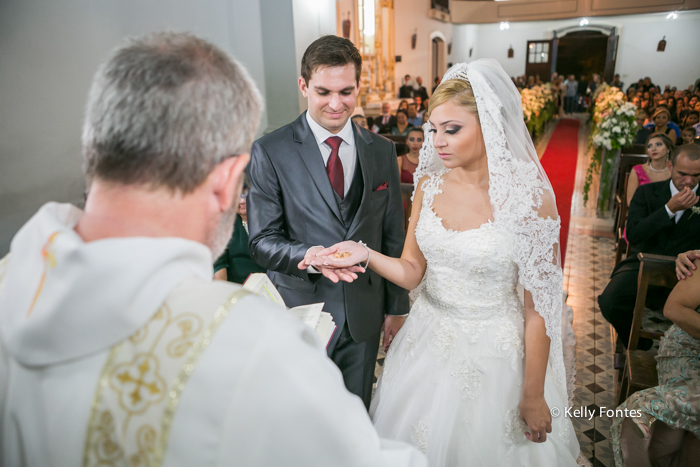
535, 412
341, 255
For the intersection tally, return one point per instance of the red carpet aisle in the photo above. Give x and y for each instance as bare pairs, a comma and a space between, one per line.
559, 162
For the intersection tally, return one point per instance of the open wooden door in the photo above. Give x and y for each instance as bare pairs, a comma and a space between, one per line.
539, 59
611, 55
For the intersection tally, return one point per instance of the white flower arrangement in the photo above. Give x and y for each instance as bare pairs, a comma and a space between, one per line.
616, 125
536, 99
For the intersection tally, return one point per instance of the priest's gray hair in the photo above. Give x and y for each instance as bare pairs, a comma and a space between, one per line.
164, 110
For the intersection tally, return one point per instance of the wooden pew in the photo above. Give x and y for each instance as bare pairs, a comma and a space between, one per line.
640, 366
627, 162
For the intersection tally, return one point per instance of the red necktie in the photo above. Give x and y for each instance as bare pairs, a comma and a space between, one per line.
335, 166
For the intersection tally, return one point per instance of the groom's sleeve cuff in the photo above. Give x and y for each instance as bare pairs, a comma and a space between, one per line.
311, 269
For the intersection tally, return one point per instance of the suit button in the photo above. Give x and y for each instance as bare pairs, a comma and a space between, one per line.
342, 206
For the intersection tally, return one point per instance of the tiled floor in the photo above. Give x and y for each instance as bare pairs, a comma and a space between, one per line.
589, 262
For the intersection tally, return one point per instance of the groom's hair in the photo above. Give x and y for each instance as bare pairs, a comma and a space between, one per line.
165, 110
691, 151
330, 51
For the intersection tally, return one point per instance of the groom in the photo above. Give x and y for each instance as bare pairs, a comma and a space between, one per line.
321, 180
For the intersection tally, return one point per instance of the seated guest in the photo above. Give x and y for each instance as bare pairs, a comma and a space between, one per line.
642, 132
407, 89
385, 121
659, 148
659, 221
692, 120
690, 106
666, 428
402, 126
419, 90
661, 123
403, 105
116, 346
235, 264
420, 104
370, 124
671, 104
436, 84
408, 162
688, 135
413, 118
360, 120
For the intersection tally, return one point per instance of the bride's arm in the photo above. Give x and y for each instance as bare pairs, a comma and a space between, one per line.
533, 408
406, 271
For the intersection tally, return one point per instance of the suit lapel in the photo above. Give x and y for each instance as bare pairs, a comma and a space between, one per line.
313, 160
367, 168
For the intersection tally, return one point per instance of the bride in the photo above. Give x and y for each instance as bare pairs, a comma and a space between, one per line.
472, 375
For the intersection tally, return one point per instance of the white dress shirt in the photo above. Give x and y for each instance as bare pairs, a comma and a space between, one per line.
346, 152
674, 192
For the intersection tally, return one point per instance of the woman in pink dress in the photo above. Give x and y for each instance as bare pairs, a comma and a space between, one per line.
409, 162
659, 150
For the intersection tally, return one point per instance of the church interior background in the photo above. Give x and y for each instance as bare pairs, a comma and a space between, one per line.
49, 50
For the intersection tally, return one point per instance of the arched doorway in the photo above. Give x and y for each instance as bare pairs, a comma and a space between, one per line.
582, 53
585, 50
438, 55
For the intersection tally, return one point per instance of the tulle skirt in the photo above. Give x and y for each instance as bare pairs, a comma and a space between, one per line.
452, 386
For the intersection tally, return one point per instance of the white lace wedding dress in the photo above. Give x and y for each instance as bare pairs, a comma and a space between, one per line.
453, 375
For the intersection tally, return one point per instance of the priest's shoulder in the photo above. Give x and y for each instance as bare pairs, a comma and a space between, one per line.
255, 313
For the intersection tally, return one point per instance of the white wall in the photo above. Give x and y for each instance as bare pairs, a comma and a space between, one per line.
49, 52
312, 19
409, 16
636, 56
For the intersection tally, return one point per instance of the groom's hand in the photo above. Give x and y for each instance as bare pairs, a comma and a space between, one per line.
392, 325
348, 253
333, 274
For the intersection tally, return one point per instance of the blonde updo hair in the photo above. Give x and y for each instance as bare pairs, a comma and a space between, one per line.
457, 90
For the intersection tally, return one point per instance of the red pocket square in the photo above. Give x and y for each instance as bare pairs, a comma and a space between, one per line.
383, 186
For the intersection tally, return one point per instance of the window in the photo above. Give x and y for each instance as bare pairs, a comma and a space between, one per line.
538, 52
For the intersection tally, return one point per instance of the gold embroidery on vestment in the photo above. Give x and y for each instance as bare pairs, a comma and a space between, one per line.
134, 405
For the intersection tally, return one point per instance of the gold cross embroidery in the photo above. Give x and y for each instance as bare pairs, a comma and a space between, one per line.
135, 395
49, 263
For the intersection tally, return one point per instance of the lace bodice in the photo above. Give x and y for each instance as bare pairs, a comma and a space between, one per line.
469, 274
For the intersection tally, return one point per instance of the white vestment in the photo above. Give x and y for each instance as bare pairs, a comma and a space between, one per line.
261, 392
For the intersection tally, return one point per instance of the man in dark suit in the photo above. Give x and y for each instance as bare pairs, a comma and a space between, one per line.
386, 120
406, 90
663, 219
321, 180
419, 90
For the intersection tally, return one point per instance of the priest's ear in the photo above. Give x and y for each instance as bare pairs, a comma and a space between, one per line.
227, 180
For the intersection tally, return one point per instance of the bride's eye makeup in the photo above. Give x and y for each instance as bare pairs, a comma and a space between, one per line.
452, 130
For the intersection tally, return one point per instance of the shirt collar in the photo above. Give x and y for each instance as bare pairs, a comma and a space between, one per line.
321, 134
675, 191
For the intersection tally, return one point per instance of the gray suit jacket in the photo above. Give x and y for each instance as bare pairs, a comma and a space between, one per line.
292, 207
